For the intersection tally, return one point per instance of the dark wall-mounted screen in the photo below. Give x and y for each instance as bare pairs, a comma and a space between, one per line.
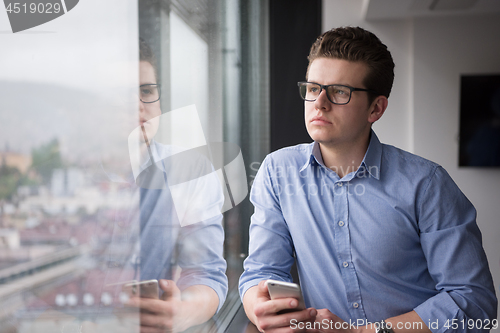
480, 121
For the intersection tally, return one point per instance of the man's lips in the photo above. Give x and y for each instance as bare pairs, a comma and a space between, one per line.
318, 120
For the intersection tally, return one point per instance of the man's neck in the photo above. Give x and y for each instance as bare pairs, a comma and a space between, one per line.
344, 158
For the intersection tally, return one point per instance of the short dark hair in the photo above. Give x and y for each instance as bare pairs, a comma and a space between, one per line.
358, 44
146, 54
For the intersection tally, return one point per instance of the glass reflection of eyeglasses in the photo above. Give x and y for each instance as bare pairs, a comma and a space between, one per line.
149, 93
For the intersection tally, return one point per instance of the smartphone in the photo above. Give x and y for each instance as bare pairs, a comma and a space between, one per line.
146, 289
280, 289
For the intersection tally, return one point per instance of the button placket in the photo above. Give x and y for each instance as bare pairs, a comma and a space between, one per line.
344, 248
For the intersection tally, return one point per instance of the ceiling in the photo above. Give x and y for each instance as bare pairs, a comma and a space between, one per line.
399, 9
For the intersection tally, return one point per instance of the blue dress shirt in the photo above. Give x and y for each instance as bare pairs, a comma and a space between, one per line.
158, 243
393, 236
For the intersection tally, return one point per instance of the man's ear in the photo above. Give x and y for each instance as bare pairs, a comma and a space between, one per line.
377, 108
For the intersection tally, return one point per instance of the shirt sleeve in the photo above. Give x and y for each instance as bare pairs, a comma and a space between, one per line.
198, 202
451, 242
270, 245
200, 257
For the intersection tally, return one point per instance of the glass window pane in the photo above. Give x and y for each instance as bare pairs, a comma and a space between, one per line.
69, 101
97, 188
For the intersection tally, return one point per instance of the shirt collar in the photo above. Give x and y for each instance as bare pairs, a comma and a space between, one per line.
370, 163
373, 156
314, 154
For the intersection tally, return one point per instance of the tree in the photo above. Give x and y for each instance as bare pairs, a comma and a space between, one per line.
46, 158
9, 180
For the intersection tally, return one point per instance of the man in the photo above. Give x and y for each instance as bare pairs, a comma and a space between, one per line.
185, 257
377, 233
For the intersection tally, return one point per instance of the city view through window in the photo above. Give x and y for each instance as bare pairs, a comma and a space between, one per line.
73, 210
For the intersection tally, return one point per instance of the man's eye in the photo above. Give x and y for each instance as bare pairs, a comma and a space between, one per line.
313, 89
145, 91
339, 92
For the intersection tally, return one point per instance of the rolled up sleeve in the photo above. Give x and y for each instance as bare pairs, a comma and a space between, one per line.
451, 242
271, 246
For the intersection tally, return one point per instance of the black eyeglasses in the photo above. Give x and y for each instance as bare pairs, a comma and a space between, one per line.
149, 93
336, 93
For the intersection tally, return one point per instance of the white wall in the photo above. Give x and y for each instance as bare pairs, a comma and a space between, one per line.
395, 125
444, 49
423, 113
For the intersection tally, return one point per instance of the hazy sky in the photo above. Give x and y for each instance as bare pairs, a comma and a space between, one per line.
66, 78
87, 47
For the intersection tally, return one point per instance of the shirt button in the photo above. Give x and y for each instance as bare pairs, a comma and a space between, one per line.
340, 184
341, 223
345, 264
355, 305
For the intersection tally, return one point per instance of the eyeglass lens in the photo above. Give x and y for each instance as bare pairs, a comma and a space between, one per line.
336, 93
149, 93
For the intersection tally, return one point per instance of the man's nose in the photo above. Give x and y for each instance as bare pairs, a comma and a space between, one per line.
322, 102
142, 106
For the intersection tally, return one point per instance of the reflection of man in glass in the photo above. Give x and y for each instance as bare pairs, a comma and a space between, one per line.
200, 284
149, 92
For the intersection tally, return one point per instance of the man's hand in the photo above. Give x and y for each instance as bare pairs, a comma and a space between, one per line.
160, 315
263, 311
176, 311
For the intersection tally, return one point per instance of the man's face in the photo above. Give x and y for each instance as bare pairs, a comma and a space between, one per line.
148, 111
330, 124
